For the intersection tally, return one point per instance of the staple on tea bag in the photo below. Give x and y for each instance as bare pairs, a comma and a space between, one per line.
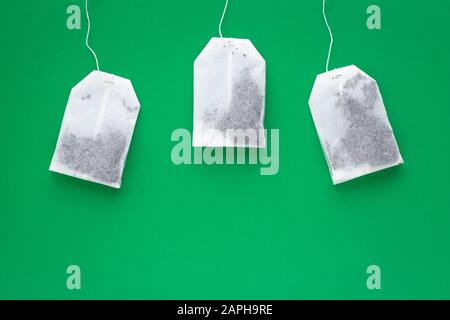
96, 130
229, 94
352, 124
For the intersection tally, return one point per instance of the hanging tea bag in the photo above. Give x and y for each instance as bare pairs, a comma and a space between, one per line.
229, 94
97, 127
351, 121
96, 130
352, 124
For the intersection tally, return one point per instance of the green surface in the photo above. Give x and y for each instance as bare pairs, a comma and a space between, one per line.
224, 231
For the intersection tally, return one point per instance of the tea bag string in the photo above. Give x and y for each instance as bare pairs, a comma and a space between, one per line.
331, 35
221, 19
87, 36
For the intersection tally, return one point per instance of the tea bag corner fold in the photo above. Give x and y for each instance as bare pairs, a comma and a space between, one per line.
229, 95
96, 130
352, 124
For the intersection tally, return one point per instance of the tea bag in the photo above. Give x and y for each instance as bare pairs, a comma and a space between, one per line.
96, 130
229, 95
352, 124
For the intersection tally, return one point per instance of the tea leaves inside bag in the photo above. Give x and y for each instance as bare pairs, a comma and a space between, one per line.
97, 129
229, 95
352, 124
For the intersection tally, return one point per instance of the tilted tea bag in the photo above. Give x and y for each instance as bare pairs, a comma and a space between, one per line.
229, 95
96, 130
352, 124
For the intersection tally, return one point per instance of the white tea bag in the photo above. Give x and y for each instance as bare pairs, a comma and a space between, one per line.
352, 124
96, 130
229, 95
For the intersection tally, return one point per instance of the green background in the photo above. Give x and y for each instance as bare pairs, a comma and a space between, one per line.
222, 232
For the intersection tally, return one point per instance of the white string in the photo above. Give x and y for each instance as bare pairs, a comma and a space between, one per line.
87, 36
221, 19
331, 35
